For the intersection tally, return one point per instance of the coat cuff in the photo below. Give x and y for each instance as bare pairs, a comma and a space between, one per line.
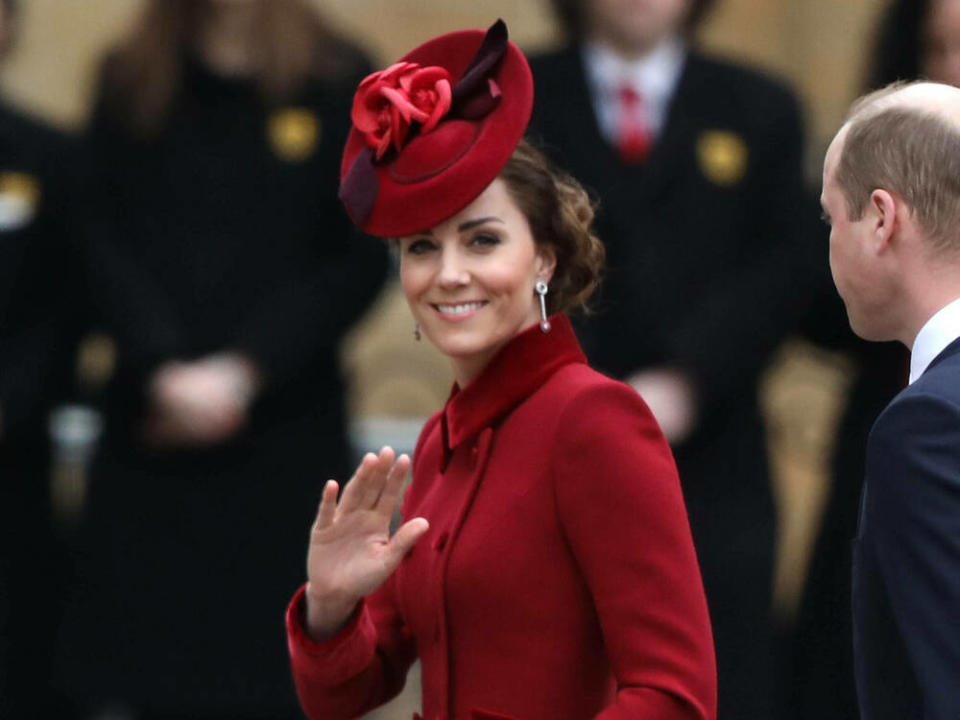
334, 661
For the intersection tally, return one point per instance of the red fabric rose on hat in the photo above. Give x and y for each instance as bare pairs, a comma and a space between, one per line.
388, 102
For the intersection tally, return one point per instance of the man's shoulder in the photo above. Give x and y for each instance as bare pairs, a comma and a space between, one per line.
939, 384
919, 431
557, 55
736, 72
556, 66
942, 376
740, 85
936, 392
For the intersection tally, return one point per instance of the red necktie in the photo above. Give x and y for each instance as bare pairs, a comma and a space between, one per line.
633, 133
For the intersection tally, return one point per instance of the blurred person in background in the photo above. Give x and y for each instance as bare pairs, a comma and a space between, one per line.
696, 164
914, 39
917, 39
224, 268
37, 291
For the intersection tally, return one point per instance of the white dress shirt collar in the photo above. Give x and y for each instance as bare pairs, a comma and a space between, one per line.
654, 77
938, 332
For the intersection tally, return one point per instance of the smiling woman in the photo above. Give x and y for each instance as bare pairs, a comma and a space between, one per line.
545, 568
468, 280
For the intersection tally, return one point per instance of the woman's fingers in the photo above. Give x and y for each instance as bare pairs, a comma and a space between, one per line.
367, 483
328, 505
404, 539
373, 488
393, 487
353, 492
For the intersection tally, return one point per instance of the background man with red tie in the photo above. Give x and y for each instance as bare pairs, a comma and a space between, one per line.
696, 164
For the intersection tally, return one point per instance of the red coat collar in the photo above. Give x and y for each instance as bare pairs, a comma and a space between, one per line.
519, 369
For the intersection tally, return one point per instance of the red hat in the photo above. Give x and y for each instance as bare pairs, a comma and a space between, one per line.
432, 131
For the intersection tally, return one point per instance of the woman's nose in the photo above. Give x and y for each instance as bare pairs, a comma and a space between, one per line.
453, 271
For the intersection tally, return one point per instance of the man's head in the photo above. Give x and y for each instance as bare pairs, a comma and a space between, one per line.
891, 191
631, 26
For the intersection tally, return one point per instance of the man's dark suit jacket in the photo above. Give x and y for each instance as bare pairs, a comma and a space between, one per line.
906, 567
710, 253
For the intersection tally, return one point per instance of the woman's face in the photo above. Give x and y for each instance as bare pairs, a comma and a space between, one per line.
941, 57
470, 280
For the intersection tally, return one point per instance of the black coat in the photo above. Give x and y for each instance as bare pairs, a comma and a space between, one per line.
38, 292
225, 234
709, 267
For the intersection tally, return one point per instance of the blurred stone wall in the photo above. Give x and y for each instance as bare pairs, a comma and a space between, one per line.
817, 44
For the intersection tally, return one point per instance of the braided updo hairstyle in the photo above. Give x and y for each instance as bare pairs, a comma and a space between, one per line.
560, 213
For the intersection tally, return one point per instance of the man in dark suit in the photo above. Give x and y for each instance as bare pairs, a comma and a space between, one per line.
891, 195
696, 164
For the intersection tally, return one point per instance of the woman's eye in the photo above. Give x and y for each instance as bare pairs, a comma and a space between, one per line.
485, 240
419, 247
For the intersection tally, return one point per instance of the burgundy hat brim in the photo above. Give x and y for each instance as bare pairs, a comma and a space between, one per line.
437, 174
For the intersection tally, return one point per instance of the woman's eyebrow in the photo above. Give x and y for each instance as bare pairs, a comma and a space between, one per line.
479, 221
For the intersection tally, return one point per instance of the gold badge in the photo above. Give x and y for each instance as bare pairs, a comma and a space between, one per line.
723, 157
19, 197
294, 133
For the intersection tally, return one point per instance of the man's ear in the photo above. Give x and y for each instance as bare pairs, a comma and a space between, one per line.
884, 206
546, 262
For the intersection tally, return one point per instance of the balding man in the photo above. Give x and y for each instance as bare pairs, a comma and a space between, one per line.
891, 192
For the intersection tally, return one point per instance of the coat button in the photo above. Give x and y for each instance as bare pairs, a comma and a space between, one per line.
441, 542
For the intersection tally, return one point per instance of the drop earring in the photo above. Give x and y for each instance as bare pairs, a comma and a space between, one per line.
416, 332
541, 289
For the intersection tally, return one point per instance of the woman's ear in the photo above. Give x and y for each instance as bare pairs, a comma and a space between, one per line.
546, 262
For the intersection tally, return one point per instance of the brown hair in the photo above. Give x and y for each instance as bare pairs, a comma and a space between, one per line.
911, 152
142, 78
560, 213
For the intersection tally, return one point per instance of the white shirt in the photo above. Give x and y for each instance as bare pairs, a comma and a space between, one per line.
654, 77
938, 332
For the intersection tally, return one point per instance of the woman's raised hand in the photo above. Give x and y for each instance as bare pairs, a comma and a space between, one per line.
351, 552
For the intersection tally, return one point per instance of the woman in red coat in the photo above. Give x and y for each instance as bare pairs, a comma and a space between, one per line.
545, 570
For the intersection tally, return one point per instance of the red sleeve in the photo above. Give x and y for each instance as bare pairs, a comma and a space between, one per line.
618, 496
363, 666
360, 668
